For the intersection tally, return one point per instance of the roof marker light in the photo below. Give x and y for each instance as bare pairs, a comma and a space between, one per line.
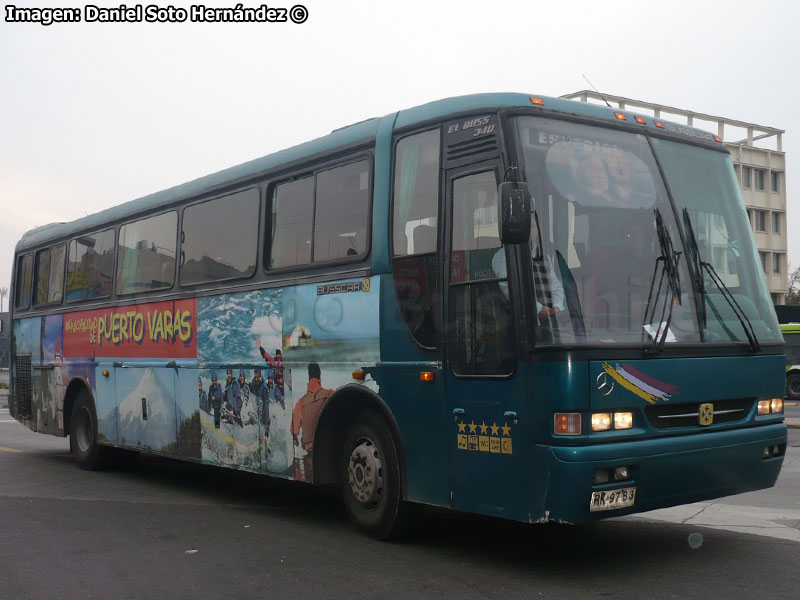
717, 139
658, 124
640, 120
621, 116
536, 101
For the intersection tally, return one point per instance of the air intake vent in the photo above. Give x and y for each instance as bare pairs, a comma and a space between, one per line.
23, 388
479, 146
471, 137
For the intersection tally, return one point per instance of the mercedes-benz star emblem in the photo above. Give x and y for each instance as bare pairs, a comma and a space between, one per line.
604, 385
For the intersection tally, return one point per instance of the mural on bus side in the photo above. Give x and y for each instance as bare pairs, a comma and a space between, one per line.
241, 392
250, 372
269, 359
136, 405
42, 339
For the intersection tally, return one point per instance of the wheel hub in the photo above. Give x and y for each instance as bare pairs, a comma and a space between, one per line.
365, 473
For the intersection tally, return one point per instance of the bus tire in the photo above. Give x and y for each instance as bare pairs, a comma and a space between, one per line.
370, 479
83, 434
793, 386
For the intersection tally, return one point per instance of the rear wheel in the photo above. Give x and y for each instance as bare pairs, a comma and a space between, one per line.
370, 479
793, 386
83, 434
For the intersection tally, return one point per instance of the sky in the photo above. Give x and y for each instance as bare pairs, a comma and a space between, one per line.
95, 114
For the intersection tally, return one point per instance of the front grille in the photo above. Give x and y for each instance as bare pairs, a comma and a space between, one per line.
671, 416
23, 388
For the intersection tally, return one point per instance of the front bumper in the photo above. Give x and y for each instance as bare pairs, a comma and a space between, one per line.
665, 471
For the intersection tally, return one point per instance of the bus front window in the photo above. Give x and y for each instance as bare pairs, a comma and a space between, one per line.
704, 187
599, 260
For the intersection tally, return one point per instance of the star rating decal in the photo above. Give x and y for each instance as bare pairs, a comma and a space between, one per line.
490, 439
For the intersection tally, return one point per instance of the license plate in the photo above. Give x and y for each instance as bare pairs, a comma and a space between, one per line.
612, 499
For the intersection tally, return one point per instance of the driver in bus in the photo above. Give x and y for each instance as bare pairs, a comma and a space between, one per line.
547, 285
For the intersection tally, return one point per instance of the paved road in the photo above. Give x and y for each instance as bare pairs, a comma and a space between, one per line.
162, 529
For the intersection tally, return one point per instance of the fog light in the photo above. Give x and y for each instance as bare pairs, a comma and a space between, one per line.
621, 474
623, 420
763, 407
601, 476
776, 405
601, 421
567, 423
766, 453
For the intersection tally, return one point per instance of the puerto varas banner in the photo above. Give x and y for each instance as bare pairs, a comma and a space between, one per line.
156, 329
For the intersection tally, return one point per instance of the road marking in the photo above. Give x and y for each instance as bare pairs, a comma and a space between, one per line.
4, 449
740, 519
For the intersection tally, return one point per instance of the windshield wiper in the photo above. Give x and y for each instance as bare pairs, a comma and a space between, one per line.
701, 267
668, 261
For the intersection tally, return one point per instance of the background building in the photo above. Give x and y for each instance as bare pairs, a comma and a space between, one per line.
760, 164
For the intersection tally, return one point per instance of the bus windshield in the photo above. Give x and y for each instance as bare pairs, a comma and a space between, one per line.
607, 260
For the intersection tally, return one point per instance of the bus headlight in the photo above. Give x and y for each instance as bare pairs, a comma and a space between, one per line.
768, 406
619, 420
601, 421
623, 420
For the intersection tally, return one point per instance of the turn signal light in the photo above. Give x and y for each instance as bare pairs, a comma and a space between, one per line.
426, 376
359, 375
567, 423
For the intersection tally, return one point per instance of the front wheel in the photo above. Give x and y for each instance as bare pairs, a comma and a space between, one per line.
370, 479
793, 386
83, 434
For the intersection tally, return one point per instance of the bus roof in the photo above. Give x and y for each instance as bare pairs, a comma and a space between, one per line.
361, 132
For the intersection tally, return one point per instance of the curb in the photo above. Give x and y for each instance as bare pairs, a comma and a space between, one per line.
793, 423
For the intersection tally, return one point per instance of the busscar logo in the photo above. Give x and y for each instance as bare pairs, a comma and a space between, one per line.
343, 288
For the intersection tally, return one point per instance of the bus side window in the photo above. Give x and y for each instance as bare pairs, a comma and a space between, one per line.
341, 212
415, 232
213, 257
292, 223
22, 289
90, 266
146, 251
49, 275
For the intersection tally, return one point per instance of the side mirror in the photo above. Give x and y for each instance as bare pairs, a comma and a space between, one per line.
514, 212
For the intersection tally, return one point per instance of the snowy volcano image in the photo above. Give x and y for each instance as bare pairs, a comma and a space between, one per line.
146, 415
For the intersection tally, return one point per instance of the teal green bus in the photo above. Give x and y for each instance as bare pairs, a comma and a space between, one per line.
791, 335
504, 304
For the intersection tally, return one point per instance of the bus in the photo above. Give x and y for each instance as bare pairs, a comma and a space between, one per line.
791, 335
504, 304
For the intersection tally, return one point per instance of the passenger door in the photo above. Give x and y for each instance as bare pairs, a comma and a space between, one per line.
489, 445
